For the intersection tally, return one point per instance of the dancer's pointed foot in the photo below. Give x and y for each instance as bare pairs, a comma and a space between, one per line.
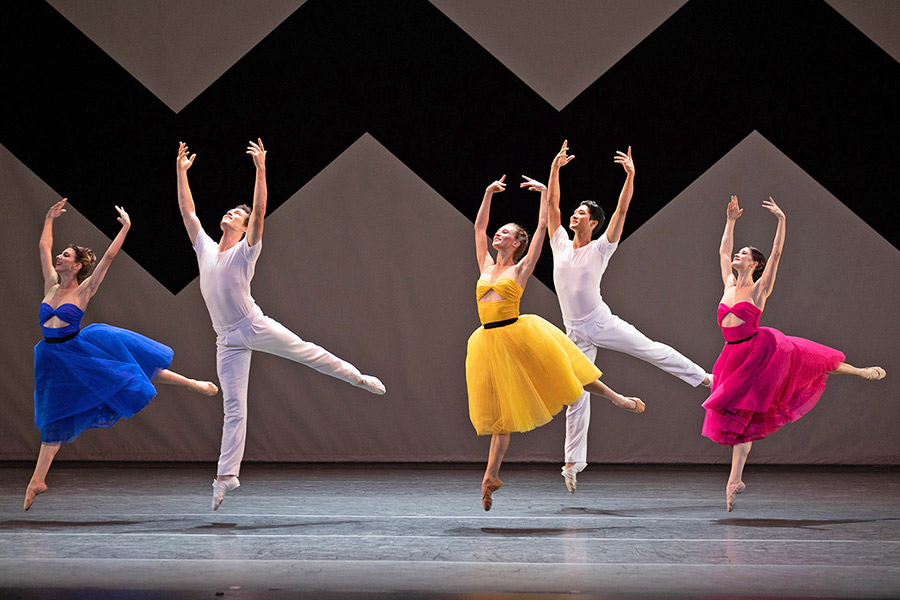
488, 487
873, 373
207, 388
630, 404
31, 493
372, 384
571, 477
220, 488
731, 492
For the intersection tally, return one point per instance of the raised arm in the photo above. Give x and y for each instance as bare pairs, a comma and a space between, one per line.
617, 221
185, 199
260, 193
553, 215
732, 213
92, 283
767, 281
526, 266
45, 245
481, 222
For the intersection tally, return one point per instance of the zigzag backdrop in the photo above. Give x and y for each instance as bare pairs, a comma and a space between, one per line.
385, 121
797, 72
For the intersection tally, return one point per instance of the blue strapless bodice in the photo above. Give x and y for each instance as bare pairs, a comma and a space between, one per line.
67, 312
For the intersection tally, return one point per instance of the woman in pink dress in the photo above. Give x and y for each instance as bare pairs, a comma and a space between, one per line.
763, 379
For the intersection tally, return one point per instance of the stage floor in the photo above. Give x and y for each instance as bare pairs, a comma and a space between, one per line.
405, 531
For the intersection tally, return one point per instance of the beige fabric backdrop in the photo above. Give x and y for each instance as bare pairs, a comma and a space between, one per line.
368, 261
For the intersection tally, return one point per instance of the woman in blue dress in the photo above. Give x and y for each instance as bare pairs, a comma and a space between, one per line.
89, 377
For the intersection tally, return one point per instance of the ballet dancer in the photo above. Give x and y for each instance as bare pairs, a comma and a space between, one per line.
89, 377
578, 266
226, 268
520, 369
763, 379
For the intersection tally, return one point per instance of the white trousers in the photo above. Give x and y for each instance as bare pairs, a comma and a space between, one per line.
604, 330
234, 347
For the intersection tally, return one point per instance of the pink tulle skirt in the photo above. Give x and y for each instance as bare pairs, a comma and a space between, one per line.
763, 383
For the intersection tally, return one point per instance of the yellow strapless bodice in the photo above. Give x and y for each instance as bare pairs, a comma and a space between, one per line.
500, 310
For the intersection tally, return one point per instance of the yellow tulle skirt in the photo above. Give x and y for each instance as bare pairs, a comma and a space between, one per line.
520, 375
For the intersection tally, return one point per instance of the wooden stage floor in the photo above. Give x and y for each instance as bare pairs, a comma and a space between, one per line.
146, 531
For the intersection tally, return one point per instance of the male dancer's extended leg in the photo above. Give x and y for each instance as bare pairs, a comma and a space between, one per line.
233, 367
578, 420
268, 335
616, 334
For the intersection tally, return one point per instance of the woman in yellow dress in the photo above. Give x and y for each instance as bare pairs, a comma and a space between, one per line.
520, 369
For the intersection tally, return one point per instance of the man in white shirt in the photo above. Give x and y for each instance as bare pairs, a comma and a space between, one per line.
226, 269
578, 267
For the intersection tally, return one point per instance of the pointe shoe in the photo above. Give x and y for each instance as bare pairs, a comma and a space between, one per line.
874, 373
487, 489
372, 384
31, 492
638, 405
731, 492
220, 488
571, 477
207, 388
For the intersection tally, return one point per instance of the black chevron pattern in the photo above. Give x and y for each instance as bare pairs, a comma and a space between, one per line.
797, 72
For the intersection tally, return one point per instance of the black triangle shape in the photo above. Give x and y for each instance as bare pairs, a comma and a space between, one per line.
797, 72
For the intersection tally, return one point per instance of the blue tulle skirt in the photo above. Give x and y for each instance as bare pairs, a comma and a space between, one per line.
102, 375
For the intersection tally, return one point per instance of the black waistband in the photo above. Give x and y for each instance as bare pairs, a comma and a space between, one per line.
503, 323
62, 339
743, 340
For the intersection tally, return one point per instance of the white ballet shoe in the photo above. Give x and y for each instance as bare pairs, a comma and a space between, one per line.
571, 475
372, 384
220, 488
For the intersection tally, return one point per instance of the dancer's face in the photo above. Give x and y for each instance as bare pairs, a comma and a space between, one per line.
581, 220
66, 261
235, 219
743, 259
505, 238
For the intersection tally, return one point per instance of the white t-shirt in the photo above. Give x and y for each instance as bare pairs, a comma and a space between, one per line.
225, 278
577, 274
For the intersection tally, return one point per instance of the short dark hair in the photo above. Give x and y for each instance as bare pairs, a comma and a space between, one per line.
246, 209
596, 214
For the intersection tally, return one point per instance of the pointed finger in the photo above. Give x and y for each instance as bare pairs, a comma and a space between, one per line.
629, 151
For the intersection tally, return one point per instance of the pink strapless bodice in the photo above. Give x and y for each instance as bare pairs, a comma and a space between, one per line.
747, 312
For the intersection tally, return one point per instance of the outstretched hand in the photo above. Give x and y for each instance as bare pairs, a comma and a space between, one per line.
497, 186
258, 152
733, 211
625, 160
773, 208
184, 163
532, 184
562, 158
123, 218
57, 209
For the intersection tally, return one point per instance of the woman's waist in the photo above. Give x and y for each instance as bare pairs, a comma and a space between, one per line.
490, 312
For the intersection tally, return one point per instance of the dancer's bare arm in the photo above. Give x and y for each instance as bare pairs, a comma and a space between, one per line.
45, 246
185, 199
260, 193
732, 213
481, 222
92, 283
763, 287
553, 216
525, 267
617, 221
